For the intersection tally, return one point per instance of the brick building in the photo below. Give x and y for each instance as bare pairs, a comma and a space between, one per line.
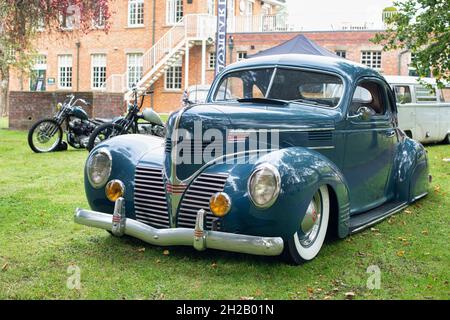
152, 41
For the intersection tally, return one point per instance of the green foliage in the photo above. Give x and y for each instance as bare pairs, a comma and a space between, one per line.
39, 241
423, 27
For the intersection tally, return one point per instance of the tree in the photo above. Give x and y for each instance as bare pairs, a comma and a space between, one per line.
20, 21
423, 28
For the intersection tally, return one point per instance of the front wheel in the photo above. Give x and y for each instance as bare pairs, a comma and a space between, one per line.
45, 136
103, 132
306, 243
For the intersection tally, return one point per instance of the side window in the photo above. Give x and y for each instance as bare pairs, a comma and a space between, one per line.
424, 94
369, 94
402, 94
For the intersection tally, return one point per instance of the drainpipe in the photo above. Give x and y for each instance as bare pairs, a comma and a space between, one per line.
399, 67
78, 44
153, 43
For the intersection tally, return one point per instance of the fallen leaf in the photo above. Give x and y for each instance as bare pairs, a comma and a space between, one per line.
408, 211
327, 298
166, 252
437, 188
349, 295
5, 266
374, 229
158, 261
141, 249
214, 265
425, 232
247, 298
401, 253
310, 290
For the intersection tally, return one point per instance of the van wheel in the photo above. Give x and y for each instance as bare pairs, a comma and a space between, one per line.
306, 243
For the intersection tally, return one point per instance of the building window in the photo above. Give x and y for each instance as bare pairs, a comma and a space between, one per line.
341, 53
212, 7
99, 21
372, 59
65, 71
135, 69
174, 11
38, 73
66, 22
241, 55
174, 77
212, 60
249, 9
98, 71
135, 13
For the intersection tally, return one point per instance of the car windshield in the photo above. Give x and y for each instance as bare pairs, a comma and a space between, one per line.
290, 85
198, 95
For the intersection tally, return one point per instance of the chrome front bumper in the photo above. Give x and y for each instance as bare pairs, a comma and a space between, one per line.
199, 238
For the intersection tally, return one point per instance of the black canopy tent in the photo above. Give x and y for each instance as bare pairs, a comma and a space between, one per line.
299, 44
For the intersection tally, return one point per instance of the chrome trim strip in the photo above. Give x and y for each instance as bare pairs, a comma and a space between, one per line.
420, 196
266, 246
387, 215
305, 129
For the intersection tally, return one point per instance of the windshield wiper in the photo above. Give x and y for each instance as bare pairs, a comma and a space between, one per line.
264, 100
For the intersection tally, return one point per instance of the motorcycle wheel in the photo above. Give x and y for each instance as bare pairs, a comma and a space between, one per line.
101, 133
45, 136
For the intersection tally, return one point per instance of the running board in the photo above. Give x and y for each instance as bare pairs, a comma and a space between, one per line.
361, 221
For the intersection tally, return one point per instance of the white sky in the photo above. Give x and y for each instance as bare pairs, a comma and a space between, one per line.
317, 14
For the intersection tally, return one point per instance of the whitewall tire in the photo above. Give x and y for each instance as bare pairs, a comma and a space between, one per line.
306, 243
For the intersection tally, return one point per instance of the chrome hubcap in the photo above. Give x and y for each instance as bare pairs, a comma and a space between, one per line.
312, 220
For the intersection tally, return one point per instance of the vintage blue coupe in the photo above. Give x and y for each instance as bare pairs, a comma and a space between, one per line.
286, 150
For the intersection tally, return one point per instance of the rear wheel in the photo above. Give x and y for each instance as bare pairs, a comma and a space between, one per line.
45, 136
306, 243
101, 133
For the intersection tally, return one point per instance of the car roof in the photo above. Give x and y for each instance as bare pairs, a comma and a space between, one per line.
337, 65
199, 87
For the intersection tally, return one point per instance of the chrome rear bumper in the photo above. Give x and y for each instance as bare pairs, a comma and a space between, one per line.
199, 238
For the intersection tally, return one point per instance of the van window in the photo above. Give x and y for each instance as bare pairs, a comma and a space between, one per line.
424, 94
402, 94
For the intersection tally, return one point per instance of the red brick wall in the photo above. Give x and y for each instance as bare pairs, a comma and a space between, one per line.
28, 107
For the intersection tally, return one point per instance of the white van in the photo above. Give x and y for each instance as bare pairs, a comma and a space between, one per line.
422, 114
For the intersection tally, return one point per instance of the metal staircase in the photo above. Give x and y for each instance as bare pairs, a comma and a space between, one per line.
167, 51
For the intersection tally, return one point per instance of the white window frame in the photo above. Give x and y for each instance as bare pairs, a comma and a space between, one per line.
99, 22
135, 68
240, 55
341, 53
173, 78
135, 13
212, 60
211, 7
98, 71
372, 58
65, 71
174, 11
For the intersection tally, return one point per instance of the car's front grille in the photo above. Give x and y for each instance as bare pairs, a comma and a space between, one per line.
197, 197
150, 197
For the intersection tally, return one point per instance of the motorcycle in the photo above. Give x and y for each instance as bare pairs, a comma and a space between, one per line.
46, 135
132, 122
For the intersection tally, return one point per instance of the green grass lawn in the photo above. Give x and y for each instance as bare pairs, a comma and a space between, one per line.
39, 242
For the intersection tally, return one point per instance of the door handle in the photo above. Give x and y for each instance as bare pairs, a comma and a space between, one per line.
390, 133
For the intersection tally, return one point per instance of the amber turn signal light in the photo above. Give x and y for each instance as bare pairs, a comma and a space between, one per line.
114, 190
220, 204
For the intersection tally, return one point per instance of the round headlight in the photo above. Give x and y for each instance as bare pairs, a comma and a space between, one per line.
264, 185
99, 167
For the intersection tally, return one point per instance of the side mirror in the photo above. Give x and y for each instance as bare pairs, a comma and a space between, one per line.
363, 113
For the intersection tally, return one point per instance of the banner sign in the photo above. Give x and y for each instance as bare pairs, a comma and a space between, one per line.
221, 36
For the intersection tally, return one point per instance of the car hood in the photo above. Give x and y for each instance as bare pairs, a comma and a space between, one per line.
240, 117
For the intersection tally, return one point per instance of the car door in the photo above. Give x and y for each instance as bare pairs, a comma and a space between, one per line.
370, 146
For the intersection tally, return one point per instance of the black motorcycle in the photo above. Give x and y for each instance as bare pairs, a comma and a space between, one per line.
145, 122
46, 135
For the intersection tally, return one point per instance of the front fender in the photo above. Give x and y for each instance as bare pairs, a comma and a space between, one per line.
302, 171
126, 151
